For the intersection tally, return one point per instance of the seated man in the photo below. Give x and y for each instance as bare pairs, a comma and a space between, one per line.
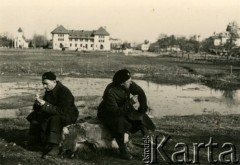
52, 113
117, 113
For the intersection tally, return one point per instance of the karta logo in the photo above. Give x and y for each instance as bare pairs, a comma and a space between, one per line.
154, 151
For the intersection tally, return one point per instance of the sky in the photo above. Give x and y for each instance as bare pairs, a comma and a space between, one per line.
128, 20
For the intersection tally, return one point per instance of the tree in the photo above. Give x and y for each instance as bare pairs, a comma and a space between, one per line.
192, 44
182, 41
146, 42
195, 44
163, 41
233, 32
161, 36
189, 45
5, 41
39, 40
207, 44
233, 29
126, 45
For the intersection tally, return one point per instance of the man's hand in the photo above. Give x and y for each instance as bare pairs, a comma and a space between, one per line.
39, 100
134, 99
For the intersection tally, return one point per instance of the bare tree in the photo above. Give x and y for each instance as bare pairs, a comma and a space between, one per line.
233, 32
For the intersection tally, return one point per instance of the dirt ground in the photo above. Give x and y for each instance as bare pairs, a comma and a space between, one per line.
183, 129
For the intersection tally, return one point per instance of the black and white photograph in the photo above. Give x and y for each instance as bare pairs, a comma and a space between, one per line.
112, 82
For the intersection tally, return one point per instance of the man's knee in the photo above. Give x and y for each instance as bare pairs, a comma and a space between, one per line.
35, 129
55, 123
55, 119
121, 119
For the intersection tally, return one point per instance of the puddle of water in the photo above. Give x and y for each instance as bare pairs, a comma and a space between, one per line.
163, 99
9, 113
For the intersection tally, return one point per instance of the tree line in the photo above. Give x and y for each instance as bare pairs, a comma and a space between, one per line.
40, 41
37, 41
193, 43
6, 42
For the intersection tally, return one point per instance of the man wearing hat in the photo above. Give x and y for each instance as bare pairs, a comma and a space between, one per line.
118, 114
52, 113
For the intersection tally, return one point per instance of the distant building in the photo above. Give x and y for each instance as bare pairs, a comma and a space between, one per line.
222, 38
80, 39
237, 42
144, 46
115, 43
20, 41
219, 42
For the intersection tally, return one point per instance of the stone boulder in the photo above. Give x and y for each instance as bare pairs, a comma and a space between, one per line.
89, 133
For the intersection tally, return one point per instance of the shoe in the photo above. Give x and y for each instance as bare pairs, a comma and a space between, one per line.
126, 156
51, 150
124, 153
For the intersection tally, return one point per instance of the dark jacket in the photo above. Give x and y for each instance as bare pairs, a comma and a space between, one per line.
116, 111
58, 101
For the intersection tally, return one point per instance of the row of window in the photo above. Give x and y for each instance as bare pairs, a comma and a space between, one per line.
62, 35
81, 45
86, 45
82, 40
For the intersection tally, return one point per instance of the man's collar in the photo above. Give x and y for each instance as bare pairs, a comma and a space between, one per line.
55, 89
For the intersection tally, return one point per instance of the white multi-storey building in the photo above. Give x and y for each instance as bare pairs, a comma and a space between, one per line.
80, 39
222, 38
20, 40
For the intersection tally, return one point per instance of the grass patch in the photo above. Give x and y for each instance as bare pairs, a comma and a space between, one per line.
162, 69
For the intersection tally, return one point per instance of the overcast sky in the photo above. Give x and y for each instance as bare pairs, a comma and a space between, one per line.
132, 20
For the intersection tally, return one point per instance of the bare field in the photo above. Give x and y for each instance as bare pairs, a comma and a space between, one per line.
161, 68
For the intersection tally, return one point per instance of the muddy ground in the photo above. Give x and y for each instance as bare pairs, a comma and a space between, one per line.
181, 129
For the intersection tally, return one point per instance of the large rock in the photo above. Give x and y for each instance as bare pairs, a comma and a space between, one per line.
90, 133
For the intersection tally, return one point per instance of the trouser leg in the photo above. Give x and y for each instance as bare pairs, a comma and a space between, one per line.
35, 134
122, 146
53, 136
138, 125
35, 129
54, 133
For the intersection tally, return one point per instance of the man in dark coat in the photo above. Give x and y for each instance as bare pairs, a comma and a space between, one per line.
52, 113
118, 114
